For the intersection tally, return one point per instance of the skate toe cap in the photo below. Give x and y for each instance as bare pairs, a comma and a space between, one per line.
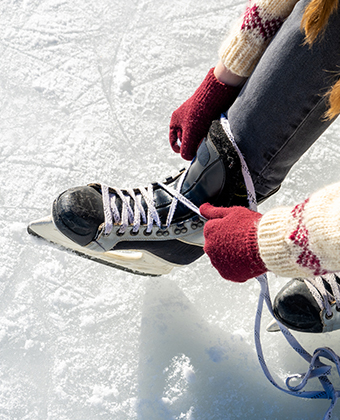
78, 213
295, 307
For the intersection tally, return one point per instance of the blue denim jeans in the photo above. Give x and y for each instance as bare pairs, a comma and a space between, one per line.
280, 111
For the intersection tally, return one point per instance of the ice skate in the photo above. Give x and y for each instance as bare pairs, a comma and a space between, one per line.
147, 230
309, 305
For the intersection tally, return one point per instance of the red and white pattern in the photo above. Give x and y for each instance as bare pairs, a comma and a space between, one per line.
254, 19
300, 238
245, 44
304, 240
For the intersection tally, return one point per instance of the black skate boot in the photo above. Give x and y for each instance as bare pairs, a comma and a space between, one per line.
309, 305
148, 230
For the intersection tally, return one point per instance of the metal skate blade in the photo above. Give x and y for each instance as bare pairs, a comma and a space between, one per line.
273, 326
136, 262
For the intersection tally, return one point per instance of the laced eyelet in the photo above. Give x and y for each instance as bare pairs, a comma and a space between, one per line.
118, 233
337, 309
146, 233
134, 233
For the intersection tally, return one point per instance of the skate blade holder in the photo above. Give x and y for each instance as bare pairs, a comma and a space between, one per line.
137, 262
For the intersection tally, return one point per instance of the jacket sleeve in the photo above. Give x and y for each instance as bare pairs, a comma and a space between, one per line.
249, 38
303, 241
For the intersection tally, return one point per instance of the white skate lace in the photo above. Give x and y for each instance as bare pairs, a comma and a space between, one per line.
322, 296
316, 368
136, 216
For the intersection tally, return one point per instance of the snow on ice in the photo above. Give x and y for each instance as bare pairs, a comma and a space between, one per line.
87, 91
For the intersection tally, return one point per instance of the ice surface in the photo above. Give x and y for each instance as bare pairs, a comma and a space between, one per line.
87, 91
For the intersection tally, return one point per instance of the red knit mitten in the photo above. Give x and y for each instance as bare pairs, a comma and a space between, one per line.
231, 241
191, 121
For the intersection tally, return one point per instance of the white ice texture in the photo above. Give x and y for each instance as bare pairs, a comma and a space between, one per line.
87, 91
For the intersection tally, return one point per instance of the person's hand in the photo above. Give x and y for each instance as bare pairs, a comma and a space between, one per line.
231, 241
191, 121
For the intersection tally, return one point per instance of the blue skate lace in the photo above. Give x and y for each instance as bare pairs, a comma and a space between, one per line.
136, 216
316, 368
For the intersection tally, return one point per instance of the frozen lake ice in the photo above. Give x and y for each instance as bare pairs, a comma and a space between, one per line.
87, 92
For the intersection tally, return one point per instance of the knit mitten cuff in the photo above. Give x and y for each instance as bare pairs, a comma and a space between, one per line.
240, 54
218, 95
249, 38
256, 264
302, 241
273, 247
